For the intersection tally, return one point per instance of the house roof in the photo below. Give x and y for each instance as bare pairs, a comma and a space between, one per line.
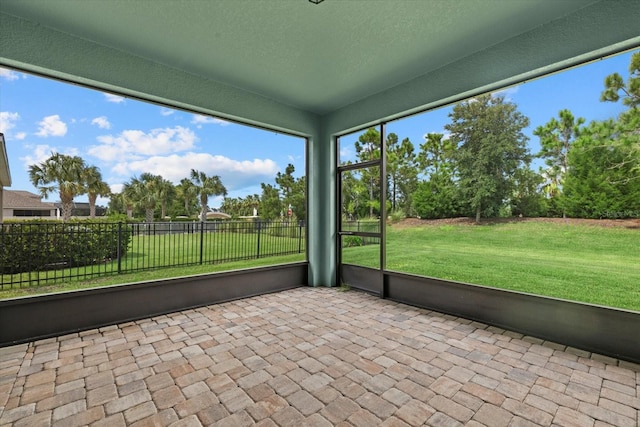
5, 174
17, 199
218, 215
292, 64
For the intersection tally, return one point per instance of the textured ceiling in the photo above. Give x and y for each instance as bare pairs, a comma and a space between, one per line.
318, 58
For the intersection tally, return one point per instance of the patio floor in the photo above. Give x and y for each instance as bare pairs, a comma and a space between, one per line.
311, 356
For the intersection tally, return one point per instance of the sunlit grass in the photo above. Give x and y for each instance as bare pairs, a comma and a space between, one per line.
175, 250
582, 263
141, 276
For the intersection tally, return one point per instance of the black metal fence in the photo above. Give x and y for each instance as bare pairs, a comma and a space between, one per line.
37, 254
366, 226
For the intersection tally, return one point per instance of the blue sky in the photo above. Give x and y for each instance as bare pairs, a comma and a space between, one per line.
577, 90
125, 137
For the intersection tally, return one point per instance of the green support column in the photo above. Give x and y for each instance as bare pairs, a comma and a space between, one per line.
322, 210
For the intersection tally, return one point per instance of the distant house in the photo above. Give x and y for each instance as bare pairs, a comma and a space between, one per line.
217, 215
24, 205
81, 210
5, 176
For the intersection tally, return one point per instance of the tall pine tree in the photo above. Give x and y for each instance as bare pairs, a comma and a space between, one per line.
491, 146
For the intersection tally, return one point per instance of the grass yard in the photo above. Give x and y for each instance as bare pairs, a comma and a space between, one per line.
598, 265
591, 264
162, 256
180, 248
146, 275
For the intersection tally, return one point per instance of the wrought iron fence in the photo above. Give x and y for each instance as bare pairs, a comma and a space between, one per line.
37, 254
366, 226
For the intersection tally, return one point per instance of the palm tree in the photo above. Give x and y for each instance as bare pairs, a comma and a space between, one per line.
120, 203
166, 191
187, 192
95, 186
63, 174
144, 192
231, 206
127, 195
127, 203
207, 186
250, 204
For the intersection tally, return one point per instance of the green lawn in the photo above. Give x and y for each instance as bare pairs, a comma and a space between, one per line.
582, 263
180, 248
141, 276
164, 255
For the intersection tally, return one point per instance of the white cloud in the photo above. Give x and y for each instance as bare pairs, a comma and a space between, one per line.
52, 126
42, 152
235, 174
8, 74
20, 135
167, 111
507, 93
295, 159
102, 122
102, 201
8, 120
199, 119
446, 134
116, 99
135, 143
345, 152
116, 188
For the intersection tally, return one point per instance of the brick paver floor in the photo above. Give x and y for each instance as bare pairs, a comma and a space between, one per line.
311, 357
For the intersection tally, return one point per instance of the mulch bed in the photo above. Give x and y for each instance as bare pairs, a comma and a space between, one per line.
632, 223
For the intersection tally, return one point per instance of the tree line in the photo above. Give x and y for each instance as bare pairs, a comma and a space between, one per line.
69, 176
482, 166
144, 195
284, 200
152, 197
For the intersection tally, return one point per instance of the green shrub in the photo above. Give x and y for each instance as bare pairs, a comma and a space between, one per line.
397, 215
119, 217
281, 229
32, 246
351, 241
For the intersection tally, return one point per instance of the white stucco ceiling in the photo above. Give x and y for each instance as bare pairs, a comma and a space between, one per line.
314, 57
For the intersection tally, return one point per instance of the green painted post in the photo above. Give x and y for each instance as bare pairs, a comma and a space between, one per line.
321, 224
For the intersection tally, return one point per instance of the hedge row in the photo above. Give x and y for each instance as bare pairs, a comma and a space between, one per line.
273, 228
37, 246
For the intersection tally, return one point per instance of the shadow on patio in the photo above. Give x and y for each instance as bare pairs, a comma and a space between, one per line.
311, 356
